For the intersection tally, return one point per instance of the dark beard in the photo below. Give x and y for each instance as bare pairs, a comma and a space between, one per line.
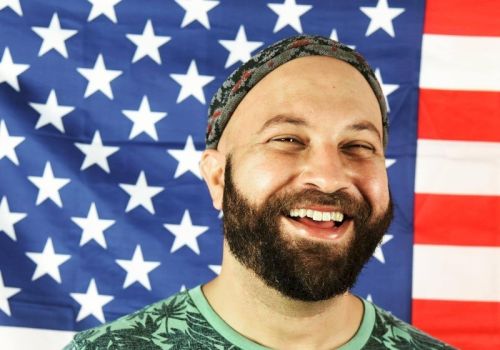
299, 268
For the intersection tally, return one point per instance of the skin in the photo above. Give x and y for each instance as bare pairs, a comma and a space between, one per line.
313, 123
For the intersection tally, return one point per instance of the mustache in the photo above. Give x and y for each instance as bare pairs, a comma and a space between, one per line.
341, 200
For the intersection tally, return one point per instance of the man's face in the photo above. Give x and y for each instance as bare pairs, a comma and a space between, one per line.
302, 269
306, 197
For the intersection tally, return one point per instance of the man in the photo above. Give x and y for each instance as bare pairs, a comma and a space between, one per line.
295, 159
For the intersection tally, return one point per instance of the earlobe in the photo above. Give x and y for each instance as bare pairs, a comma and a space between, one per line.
212, 166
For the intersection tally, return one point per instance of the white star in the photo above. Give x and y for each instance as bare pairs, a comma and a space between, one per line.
47, 262
289, 14
389, 162
334, 36
8, 143
185, 233
141, 194
188, 158
103, 7
10, 70
215, 268
99, 78
96, 153
240, 49
144, 119
196, 10
93, 227
369, 298
387, 89
5, 294
137, 269
54, 37
48, 186
51, 112
9, 218
381, 17
192, 83
148, 43
13, 4
379, 254
91, 302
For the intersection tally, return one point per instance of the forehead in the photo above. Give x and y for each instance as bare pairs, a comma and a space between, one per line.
318, 69
310, 87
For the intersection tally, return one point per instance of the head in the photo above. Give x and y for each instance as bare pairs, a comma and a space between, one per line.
299, 172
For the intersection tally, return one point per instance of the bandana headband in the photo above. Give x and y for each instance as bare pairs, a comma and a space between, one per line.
243, 79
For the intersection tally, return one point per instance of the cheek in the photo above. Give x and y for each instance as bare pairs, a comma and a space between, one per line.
260, 177
375, 187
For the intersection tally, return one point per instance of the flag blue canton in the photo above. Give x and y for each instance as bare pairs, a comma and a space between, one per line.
103, 108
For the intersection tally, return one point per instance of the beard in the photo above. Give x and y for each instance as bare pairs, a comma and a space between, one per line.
300, 268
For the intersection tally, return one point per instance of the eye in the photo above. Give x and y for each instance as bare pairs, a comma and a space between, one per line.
287, 143
359, 149
288, 139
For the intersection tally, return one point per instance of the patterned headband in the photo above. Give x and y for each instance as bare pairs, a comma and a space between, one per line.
237, 85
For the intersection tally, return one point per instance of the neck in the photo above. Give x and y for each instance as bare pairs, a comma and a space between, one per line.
265, 316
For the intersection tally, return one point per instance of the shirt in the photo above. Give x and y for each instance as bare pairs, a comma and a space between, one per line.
187, 321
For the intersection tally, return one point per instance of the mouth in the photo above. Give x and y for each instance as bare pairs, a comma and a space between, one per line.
323, 224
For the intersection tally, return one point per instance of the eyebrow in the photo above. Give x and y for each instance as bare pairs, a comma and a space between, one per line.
287, 119
365, 125
283, 119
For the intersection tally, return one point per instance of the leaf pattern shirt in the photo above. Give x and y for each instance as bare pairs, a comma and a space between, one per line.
187, 321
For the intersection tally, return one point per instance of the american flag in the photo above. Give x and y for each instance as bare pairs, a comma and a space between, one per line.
103, 109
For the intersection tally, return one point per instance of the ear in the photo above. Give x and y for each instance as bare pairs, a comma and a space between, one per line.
212, 166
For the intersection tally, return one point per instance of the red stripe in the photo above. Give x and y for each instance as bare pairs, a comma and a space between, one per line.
466, 325
457, 220
462, 17
459, 115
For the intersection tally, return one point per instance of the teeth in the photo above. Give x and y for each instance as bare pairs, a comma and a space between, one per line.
338, 216
317, 215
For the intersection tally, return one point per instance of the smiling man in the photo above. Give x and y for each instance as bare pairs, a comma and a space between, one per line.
295, 159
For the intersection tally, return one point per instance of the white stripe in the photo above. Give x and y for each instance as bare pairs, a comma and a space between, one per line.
17, 338
453, 62
456, 273
458, 167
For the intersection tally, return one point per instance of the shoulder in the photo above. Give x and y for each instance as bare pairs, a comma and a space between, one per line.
389, 332
143, 329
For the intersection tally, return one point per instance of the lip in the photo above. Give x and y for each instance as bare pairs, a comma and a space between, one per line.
333, 234
319, 208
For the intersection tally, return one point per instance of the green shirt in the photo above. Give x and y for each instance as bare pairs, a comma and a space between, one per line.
187, 321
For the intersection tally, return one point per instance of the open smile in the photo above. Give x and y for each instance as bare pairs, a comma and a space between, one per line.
322, 224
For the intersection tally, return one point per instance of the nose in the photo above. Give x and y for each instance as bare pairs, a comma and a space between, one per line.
323, 169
